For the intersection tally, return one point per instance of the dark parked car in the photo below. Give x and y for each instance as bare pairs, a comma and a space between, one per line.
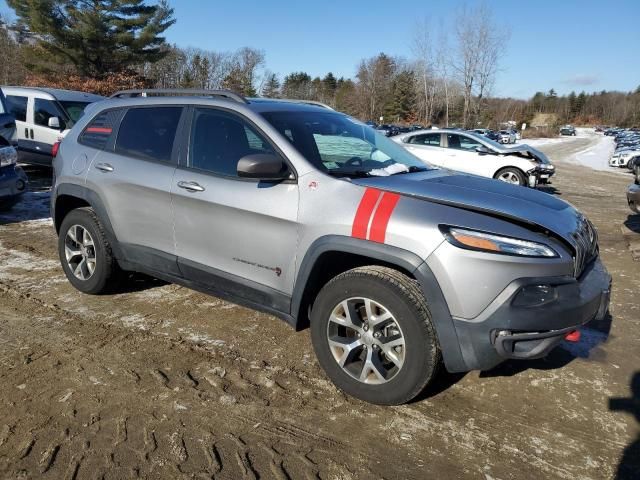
388, 130
568, 130
13, 180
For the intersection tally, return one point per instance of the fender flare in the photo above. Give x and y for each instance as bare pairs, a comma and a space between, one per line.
408, 261
96, 203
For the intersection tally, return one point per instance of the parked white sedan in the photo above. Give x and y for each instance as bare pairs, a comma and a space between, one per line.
469, 152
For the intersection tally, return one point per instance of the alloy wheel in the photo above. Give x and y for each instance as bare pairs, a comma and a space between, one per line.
509, 177
80, 252
366, 340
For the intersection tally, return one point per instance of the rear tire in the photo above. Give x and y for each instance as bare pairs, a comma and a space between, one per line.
511, 175
85, 252
393, 349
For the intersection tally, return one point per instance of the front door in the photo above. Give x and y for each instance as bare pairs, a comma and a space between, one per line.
462, 155
230, 230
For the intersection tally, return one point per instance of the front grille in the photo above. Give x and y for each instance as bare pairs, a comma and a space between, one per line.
586, 239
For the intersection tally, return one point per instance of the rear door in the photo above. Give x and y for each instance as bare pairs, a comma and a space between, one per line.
7, 124
427, 147
133, 176
17, 106
229, 230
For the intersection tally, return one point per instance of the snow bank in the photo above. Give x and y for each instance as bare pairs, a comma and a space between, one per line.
597, 155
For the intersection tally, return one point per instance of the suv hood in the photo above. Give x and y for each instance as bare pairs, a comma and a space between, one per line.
486, 196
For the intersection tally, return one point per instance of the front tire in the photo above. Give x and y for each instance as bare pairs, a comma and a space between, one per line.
373, 335
511, 175
85, 252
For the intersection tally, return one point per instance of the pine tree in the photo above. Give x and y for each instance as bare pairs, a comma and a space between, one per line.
573, 110
271, 87
99, 37
581, 100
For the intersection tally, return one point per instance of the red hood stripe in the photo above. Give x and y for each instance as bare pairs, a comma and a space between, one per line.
382, 217
363, 214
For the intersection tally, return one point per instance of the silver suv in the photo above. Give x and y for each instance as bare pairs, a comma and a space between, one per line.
303, 212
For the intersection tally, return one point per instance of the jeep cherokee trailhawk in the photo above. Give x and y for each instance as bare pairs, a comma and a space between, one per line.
295, 209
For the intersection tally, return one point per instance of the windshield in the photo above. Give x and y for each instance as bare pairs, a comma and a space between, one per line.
74, 111
340, 145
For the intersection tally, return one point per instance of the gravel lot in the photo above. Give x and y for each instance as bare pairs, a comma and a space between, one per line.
162, 382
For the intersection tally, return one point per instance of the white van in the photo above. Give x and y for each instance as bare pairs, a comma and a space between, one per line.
44, 116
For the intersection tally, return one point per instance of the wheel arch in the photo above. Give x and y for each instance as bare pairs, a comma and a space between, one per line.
68, 197
334, 254
515, 167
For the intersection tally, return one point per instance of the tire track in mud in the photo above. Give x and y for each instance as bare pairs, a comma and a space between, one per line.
163, 419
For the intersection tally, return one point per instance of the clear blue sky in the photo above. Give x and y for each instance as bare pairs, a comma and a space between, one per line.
566, 45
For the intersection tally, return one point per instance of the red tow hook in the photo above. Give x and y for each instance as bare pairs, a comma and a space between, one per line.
573, 336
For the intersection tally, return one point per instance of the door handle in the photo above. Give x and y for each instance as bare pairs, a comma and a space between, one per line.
26, 133
104, 167
32, 134
191, 186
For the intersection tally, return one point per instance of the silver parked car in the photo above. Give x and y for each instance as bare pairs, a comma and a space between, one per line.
310, 215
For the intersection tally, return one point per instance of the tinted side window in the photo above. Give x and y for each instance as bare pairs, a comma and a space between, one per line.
219, 140
44, 110
98, 132
462, 142
17, 107
432, 139
149, 132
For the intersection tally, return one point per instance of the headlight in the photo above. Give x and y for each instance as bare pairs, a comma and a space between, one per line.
489, 242
8, 156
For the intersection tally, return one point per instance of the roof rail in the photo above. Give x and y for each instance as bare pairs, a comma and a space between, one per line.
306, 102
179, 92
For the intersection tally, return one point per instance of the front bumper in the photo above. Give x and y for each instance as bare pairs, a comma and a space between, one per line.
633, 197
540, 176
508, 329
13, 183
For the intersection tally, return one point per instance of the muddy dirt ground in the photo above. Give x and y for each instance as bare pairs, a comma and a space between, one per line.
162, 382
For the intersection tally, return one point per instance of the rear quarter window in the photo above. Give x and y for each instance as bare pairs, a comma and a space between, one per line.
99, 130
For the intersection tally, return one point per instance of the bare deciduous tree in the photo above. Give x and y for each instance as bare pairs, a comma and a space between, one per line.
475, 60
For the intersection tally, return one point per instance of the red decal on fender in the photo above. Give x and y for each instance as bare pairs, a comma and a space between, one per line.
363, 214
382, 217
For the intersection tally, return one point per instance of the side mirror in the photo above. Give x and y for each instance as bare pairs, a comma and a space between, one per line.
54, 122
482, 150
262, 166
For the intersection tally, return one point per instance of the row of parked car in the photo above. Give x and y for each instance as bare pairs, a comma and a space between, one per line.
627, 149
627, 155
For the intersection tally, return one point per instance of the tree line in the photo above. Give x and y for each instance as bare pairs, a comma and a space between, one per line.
448, 79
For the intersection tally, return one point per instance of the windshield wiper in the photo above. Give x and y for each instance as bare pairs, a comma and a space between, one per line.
412, 169
350, 173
